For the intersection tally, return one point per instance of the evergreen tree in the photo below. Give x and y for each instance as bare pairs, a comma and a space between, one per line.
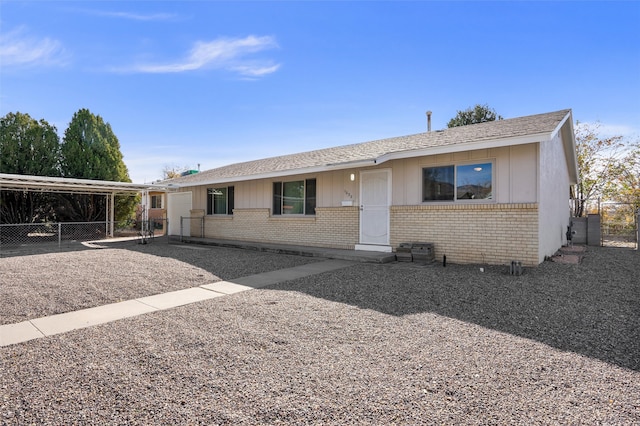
474, 115
27, 147
90, 150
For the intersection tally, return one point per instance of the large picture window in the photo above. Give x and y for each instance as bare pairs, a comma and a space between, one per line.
220, 200
295, 197
462, 182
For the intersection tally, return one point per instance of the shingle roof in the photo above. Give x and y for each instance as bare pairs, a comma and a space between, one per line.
540, 124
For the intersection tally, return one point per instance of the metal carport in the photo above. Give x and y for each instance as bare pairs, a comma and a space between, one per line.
78, 186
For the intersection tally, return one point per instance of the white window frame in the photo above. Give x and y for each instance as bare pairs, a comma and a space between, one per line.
156, 197
455, 166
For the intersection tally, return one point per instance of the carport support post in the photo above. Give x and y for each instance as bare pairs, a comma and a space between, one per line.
106, 215
113, 214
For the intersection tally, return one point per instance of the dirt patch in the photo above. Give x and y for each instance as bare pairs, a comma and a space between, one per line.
569, 255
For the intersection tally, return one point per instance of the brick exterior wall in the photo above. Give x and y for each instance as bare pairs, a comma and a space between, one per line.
466, 233
471, 233
335, 227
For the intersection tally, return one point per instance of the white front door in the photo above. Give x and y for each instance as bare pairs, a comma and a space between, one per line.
375, 199
179, 204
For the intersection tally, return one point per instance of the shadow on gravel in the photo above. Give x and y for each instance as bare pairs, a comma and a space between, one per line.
13, 250
225, 263
592, 308
7, 250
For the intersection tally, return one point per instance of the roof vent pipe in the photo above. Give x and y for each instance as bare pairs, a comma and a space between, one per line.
428, 121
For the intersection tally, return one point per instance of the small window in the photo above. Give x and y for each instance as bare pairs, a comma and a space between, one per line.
156, 201
462, 182
295, 197
220, 200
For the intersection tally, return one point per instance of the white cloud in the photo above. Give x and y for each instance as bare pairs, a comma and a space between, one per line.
256, 70
618, 129
19, 50
133, 16
222, 53
607, 130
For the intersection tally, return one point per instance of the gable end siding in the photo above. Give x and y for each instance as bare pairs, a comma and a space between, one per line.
554, 197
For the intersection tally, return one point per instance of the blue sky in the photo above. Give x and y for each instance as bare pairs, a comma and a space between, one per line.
212, 83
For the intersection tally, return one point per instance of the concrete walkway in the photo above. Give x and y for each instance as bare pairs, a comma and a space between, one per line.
55, 324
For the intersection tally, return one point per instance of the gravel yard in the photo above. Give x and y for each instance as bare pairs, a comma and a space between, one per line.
38, 285
368, 344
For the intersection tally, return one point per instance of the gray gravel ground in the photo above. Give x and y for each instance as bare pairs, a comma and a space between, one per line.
39, 285
369, 344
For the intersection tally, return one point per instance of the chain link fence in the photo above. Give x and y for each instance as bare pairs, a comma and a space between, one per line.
619, 224
65, 234
51, 234
191, 227
148, 228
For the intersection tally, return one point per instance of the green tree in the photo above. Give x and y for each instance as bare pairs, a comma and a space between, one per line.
599, 165
27, 147
474, 115
90, 150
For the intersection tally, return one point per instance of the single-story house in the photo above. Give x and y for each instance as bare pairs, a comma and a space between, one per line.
483, 193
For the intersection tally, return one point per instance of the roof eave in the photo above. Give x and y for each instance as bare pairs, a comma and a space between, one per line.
277, 174
569, 142
565, 126
466, 146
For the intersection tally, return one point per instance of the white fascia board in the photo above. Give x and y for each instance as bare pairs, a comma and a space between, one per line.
559, 126
565, 128
445, 149
569, 140
467, 146
277, 174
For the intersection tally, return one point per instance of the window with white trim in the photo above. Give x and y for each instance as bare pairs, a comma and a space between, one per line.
458, 182
294, 197
156, 201
220, 200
